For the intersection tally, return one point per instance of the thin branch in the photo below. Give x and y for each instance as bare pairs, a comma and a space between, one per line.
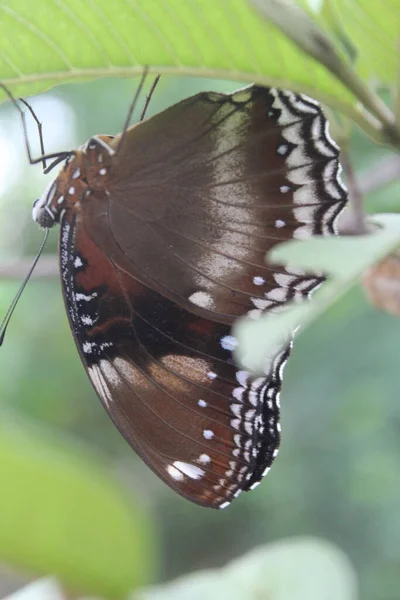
353, 220
384, 172
17, 269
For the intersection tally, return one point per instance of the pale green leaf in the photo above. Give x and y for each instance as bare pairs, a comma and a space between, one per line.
344, 259
301, 569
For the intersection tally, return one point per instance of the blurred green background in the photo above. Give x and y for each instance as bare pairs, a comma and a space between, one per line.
338, 472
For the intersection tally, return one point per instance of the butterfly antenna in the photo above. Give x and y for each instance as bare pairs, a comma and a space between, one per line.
148, 98
10, 311
132, 108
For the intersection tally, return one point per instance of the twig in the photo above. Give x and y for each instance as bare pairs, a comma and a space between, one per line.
17, 269
352, 220
384, 172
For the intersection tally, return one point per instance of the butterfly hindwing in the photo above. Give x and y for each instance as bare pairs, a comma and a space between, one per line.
167, 379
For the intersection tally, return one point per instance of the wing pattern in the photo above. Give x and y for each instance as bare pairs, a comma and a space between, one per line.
160, 261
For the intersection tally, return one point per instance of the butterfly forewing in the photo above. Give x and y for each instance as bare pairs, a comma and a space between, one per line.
230, 177
168, 250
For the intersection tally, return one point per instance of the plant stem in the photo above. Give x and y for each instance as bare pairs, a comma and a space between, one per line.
352, 221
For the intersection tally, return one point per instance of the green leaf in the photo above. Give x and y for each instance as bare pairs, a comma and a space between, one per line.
303, 30
371, 29
62, 513
60, 41
302, 568
312, 40
344, 259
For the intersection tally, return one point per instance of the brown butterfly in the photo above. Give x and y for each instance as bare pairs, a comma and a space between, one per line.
163, 235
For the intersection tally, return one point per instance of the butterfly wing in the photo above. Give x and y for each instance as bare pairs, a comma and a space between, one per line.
203, 190
166, 380
171, 252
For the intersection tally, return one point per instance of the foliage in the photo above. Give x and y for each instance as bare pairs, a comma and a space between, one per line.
63, 513
300, 568
343, 260
74, 40
296, 568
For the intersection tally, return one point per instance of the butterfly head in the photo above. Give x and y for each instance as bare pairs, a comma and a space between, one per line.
65, 192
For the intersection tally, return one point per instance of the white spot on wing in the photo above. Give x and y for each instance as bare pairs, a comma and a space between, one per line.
277, 294
236, 409
100, 384
282, 149
88, 347
242, 377
78, 263
175, 474
204, 459
85, 297
283, 279
254, 485
260, 303
191, 471
238, 393
229, 342
87, 320
208, 434
202, 299
258, 280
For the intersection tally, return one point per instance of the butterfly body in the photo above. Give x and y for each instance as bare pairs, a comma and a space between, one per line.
164, 231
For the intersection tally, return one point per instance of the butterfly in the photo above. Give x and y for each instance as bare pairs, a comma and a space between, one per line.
163, 235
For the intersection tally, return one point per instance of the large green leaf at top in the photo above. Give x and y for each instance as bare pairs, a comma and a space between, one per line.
62, 513
371, 32
45, 42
